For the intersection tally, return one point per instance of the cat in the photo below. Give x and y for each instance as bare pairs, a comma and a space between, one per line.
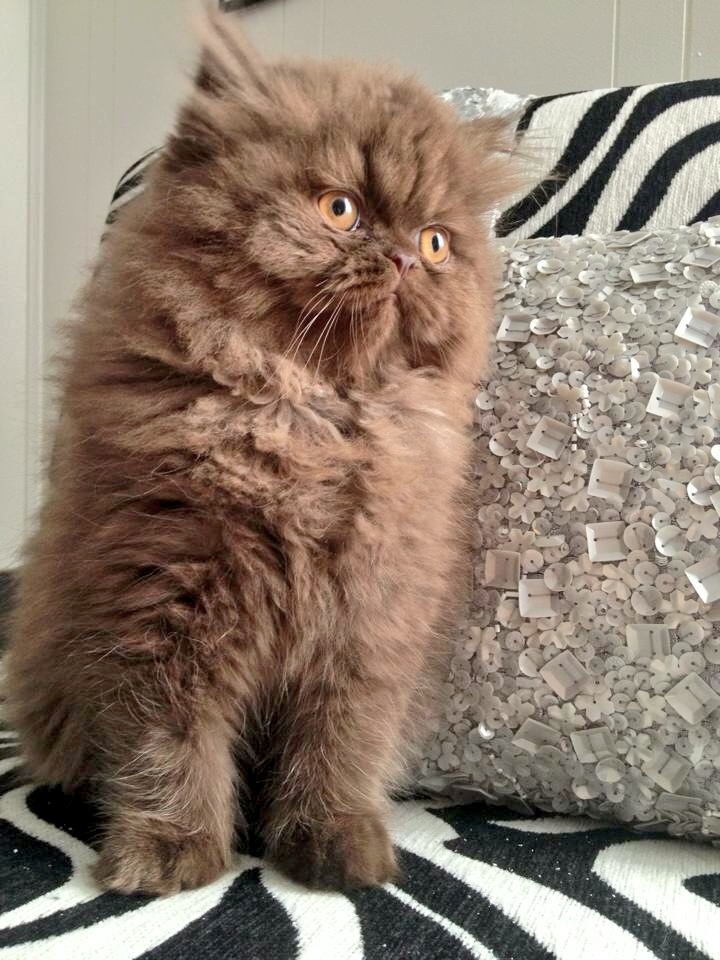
255, 525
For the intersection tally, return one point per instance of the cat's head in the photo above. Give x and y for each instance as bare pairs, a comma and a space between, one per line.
342, 211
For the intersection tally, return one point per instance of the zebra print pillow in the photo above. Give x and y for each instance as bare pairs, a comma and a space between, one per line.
622, 159
611, 159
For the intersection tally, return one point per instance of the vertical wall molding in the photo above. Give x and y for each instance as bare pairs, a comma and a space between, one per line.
648, 42
35, 413
686, 33
15, 46
615, 42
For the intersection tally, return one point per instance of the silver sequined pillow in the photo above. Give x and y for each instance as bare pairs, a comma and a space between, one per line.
587, 674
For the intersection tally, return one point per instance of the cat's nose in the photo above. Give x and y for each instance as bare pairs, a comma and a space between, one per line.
403, 261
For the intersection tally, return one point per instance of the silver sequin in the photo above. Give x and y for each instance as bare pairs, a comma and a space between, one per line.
598, 430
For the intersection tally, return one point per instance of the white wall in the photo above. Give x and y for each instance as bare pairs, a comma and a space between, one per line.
113, 71
14, 123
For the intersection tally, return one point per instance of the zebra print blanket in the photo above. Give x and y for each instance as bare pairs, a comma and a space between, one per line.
479, 882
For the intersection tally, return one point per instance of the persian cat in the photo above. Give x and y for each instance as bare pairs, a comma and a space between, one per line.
255, 519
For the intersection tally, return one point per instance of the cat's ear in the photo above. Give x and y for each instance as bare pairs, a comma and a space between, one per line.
229, 70
496, 134
228, 61
504, 166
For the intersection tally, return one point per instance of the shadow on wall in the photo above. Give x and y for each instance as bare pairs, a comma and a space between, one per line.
6, 592
238, 4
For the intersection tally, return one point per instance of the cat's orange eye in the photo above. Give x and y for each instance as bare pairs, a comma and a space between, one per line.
338, 210
434, 244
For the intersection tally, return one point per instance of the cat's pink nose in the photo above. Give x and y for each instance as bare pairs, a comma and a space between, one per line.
403, 261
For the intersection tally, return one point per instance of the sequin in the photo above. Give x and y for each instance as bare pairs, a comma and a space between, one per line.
646, 601
610, 770
600, 415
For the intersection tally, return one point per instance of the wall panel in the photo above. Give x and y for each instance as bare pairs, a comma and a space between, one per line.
14, 120
648, 41
703, 40
115, 70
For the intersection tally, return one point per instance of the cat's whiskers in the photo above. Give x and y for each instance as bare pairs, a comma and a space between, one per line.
323, 333
299, 335
313, 300
355, 319
329, 303
305, 312
363, 335
353, 328
330, 327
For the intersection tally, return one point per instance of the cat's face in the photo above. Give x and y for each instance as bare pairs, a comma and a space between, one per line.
344, 209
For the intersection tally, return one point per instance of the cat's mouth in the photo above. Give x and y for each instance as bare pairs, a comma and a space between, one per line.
368, 286
391, 300
374, 293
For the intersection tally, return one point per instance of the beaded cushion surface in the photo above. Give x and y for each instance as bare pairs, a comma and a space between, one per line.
586, 676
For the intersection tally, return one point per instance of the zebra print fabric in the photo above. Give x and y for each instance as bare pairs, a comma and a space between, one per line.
479, 882
620, 159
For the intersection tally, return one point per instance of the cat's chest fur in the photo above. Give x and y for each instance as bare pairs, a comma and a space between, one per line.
312, 469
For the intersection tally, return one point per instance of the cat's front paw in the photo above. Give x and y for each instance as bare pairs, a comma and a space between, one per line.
143, 862
348, 853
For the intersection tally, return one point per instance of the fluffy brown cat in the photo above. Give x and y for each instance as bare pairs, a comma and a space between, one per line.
255, 514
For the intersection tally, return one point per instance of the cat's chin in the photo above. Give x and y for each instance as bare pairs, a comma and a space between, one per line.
385, 301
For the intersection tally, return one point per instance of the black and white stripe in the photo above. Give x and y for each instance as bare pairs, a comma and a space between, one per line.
479, 882
131, 183
621, 159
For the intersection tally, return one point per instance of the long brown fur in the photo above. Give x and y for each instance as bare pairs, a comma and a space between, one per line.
255, 514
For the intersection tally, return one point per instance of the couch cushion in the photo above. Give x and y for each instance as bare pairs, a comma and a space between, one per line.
587, 674
621, 159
